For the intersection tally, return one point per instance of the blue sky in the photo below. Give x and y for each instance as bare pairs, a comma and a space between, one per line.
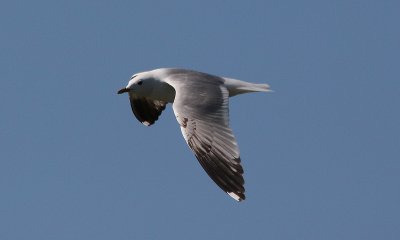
321, 154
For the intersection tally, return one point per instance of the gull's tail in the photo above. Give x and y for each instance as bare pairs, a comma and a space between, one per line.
236, 87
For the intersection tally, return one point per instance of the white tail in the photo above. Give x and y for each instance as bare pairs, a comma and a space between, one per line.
236, 87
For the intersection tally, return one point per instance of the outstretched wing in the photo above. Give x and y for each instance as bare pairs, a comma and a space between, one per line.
201, 108
146, 110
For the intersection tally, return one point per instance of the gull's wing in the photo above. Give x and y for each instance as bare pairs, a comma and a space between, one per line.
146, 110
201, 108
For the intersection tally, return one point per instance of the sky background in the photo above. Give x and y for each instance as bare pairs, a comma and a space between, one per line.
321, 154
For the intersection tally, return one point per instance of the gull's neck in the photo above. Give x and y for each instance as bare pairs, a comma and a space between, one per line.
161, 90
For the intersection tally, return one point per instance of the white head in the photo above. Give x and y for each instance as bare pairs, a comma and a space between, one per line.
140, 84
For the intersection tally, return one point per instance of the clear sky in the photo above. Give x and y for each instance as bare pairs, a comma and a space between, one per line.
321, 154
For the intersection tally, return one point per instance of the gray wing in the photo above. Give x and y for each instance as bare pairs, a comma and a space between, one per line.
201, 108
146, 110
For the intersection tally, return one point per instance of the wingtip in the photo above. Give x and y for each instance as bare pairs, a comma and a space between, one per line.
237, 196
147, 123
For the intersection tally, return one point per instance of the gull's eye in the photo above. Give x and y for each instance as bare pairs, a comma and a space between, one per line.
140, 82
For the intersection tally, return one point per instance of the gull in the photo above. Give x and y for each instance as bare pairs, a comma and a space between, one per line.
200, 104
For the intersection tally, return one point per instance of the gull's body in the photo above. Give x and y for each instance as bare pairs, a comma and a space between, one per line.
200, 104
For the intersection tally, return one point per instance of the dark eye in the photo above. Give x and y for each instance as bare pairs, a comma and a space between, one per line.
140, 82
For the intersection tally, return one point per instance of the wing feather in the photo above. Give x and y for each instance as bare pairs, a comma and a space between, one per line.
146, 110
204, 121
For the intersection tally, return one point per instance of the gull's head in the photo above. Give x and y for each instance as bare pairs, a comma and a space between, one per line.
140, 84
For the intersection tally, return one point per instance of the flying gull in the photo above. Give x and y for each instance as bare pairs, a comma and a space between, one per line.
200, 104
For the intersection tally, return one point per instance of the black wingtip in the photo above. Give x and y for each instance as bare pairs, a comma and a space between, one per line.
123, 90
